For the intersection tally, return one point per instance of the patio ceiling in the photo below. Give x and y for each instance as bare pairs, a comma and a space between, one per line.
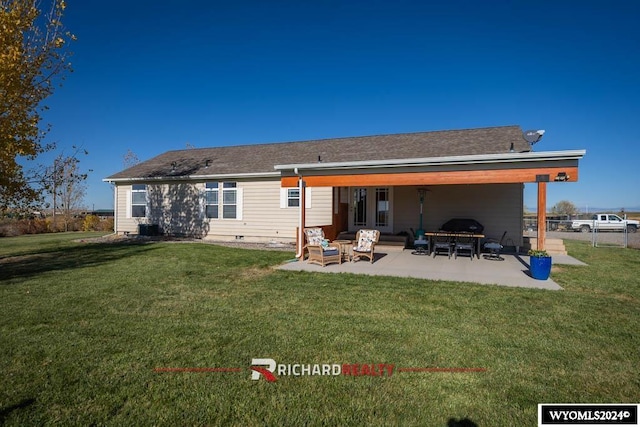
497, 168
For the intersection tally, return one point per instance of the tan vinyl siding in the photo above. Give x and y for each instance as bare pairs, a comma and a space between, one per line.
263, 217
319, 213
125, 223
496, 206
406, 209
179, 218
178, 209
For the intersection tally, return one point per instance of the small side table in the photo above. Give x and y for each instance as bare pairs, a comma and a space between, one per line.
345, 248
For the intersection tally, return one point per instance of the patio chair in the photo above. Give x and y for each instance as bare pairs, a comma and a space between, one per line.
494, 247
319, 250
464, 244
366, 242
421, 245
441, 244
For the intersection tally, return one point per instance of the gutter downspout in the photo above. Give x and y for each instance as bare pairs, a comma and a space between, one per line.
301, 191
115, 208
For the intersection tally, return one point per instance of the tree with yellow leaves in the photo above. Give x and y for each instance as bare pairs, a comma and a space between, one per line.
33, 61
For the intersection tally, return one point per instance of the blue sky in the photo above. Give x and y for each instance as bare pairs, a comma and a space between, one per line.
152, 76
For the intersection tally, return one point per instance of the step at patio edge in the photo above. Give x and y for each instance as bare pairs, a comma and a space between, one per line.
553, 246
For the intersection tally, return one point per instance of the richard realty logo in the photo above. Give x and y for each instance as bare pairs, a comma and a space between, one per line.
269, 370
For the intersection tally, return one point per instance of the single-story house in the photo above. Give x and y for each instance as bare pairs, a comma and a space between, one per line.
269, 192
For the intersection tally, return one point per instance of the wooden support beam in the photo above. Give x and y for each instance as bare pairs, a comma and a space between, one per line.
500, 176
542, 215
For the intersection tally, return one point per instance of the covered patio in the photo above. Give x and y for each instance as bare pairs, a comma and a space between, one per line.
393, 261
378, 194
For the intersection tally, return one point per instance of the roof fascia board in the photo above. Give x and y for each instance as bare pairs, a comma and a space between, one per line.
195, 177
451, 160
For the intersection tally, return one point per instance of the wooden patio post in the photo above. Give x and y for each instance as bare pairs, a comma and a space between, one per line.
542, 215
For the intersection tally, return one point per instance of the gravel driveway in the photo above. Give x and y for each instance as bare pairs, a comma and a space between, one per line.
604, 237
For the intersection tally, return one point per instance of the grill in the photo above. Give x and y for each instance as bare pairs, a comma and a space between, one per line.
457, 225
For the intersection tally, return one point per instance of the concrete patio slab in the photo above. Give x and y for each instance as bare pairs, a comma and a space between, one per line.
565, 260
512, 271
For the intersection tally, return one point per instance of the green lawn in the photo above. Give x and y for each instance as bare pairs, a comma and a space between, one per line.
83, 328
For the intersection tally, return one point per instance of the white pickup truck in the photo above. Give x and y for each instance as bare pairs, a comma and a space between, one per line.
605, 222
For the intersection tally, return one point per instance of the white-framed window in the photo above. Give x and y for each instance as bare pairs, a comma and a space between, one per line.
212, 199
229, 200
138, 200
290, 198
293, 197
222, 200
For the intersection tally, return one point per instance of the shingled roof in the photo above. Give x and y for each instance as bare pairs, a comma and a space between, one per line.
261, 158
